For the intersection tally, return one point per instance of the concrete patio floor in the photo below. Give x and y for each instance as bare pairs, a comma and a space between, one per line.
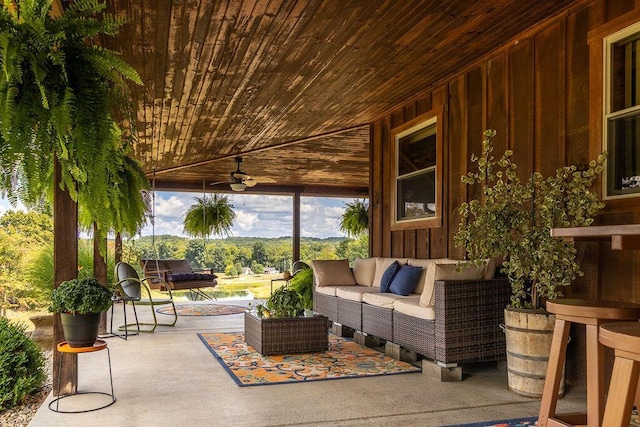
169, 378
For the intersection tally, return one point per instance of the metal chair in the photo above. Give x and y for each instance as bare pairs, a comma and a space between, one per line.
299, 265
129, 288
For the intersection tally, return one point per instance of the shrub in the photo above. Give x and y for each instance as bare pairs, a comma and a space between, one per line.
22, 365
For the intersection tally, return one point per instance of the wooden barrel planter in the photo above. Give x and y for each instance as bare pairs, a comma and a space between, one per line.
528, 339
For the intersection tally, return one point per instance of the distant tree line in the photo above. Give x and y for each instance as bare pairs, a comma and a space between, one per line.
26, 255
232, 254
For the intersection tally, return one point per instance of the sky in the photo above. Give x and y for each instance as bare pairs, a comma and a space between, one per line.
256, 215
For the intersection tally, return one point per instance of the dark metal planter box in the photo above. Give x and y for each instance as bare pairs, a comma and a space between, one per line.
286, 335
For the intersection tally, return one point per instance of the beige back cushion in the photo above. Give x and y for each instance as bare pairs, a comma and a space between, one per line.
332, 273
447, 272
364, 270
425, 263
382, 264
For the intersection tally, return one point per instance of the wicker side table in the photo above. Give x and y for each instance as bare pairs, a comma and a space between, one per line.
286, 335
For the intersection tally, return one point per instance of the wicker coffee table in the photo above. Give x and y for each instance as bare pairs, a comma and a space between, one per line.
286, 335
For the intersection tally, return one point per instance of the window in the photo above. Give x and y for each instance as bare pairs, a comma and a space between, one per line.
622, 112
417, 176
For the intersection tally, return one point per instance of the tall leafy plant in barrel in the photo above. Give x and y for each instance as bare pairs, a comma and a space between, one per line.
209, 215
512, 220
79, 302
65, 98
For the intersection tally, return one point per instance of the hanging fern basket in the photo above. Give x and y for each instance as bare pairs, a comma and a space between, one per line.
209, 215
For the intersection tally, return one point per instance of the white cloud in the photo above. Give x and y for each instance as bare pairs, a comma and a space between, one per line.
245, 221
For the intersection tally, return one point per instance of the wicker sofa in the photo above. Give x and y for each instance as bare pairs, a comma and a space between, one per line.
450, 317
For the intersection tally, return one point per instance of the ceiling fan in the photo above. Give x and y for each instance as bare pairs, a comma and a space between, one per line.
239, 179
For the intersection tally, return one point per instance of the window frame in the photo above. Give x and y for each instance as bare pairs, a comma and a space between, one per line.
608, 41
434, 116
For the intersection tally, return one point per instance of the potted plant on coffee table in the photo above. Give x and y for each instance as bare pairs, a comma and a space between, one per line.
79, 302
277, 327
511, 220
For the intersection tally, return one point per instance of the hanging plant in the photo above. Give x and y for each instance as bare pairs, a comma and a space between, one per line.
355, 219
64, 97
209, 215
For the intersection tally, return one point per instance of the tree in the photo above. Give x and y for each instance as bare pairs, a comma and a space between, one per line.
217, 258
21, 233
194, 253
231, 270
259, 252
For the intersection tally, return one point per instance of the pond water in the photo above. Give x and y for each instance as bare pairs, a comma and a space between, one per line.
221, 295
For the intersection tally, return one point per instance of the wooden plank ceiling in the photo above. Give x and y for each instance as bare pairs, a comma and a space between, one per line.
292, 85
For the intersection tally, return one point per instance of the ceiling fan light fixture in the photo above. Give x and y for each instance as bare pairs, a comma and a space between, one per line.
237, 186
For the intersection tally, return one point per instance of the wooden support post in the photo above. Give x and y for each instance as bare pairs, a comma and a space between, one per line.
296, 226
100, 269
65, 267
118, 249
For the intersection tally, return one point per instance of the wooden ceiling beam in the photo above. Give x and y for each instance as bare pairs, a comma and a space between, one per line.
306, 190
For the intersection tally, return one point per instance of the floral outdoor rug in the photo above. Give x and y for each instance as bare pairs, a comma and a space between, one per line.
516, 422
533, 421
202, 309
344, 359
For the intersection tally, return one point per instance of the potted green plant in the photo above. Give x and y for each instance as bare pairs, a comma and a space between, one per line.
511, 220
283, 302
80, 302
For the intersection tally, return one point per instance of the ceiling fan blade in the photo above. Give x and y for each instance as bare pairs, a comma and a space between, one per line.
250, 182
218, 182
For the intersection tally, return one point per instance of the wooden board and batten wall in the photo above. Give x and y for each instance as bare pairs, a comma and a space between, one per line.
536, 92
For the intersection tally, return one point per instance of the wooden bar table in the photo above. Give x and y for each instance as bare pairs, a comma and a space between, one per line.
622, 237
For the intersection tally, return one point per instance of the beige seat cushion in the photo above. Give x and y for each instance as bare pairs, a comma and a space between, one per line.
447, 271
382, 264
425, 263
332, 273
385, 299
327, 290
354, 293
412, 307
364, 270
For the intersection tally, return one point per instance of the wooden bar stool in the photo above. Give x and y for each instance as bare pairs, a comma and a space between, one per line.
592, 314
624, 338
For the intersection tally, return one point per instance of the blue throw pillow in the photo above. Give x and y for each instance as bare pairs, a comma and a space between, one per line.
405, 280
388, 275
